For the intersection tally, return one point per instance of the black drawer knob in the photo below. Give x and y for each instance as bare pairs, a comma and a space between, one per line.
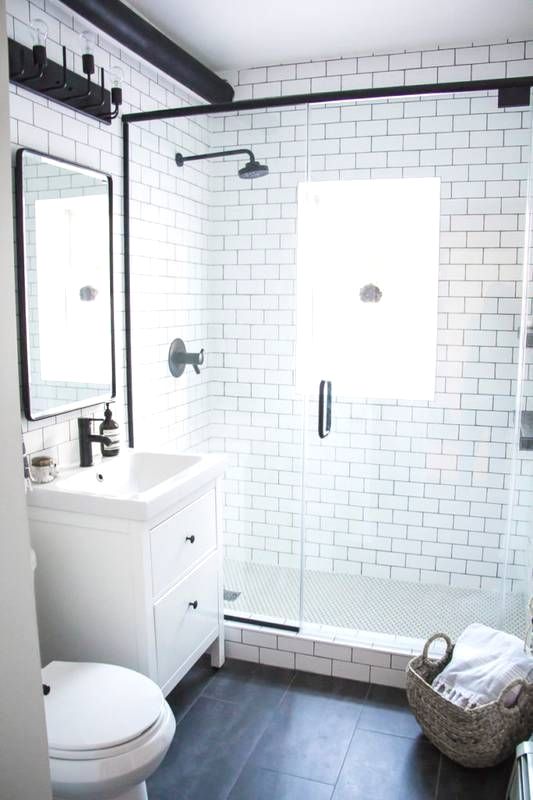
194, 604
190, 539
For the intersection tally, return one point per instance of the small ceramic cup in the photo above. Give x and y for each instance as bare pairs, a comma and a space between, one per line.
43, 469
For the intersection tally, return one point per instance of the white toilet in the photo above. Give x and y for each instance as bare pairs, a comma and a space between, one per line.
108, 729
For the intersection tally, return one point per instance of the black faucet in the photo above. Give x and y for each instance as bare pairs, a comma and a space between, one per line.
86, 438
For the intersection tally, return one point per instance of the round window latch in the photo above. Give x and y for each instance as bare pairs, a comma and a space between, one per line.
194, 605
190, 539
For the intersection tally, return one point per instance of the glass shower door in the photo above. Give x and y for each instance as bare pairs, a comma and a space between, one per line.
367, 323
410, 413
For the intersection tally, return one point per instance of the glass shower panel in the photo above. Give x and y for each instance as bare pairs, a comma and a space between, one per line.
256, 412
168, 241
407, 495
518, 560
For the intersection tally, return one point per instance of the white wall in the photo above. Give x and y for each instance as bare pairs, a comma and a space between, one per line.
24, 773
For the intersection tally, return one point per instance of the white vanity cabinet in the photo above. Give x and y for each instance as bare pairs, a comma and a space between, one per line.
143, 593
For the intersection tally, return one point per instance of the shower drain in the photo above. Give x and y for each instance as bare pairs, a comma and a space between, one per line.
229, 595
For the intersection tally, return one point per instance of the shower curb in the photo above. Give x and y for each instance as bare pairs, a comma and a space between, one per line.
325, 650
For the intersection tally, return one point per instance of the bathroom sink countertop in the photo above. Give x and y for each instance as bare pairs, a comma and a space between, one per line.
135, 485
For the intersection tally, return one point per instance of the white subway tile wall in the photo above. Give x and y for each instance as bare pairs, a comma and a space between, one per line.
165, 227
410, 491
414, 491
169, 283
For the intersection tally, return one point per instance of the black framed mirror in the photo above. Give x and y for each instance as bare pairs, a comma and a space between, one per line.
65, 282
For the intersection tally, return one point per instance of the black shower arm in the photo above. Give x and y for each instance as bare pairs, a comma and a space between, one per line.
180, 159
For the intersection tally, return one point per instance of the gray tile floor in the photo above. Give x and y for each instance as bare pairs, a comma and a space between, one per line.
251, 732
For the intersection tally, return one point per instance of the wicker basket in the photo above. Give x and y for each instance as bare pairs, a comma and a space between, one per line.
481, 737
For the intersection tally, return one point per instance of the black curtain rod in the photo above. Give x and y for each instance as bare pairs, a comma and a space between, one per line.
123, 24
331, 97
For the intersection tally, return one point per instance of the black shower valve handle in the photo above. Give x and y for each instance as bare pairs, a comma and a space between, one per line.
194, 359
199, 361
178, 358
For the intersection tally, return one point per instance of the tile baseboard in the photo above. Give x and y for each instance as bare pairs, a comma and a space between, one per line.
325, 650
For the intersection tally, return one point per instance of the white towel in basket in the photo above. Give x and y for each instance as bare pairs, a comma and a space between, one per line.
483, 663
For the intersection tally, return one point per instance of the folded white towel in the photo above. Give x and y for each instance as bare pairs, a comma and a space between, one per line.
484, 662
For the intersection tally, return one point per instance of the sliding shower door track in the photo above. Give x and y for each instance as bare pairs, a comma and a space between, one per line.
263, 623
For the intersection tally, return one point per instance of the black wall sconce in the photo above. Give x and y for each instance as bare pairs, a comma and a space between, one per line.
31, 68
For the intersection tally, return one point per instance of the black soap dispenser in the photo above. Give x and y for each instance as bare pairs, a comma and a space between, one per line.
110, 428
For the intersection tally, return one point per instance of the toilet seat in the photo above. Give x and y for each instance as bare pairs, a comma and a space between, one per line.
96, 711
140, 742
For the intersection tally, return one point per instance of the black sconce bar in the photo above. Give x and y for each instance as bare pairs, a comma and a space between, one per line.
32, 69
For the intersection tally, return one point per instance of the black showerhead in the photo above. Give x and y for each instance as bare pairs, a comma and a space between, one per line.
253, 169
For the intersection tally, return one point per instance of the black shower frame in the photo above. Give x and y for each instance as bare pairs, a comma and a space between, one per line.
512, 92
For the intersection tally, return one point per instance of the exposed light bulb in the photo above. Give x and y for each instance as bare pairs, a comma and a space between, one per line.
117, 76
39, 32
88, 39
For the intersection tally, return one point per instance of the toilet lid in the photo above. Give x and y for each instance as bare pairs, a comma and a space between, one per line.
96, 706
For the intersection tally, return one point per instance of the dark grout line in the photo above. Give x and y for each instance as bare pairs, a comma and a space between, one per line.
292, 775
218, 700
293, 677
295, 775
267, 720
201, 694
396, 735
267, 723
437, 782
356, 727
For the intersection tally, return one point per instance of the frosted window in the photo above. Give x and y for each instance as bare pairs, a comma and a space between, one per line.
367, 286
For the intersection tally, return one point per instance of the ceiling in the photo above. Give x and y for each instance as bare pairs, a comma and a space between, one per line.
226, 34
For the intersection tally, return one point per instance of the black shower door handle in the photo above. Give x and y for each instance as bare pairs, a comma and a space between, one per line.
324, 419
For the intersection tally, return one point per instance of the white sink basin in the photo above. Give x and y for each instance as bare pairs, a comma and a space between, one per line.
127, 476
135, 484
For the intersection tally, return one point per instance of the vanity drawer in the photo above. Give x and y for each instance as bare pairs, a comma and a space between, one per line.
179, 626
182, 540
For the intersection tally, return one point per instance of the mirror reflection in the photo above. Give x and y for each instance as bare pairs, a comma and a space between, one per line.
65, 282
